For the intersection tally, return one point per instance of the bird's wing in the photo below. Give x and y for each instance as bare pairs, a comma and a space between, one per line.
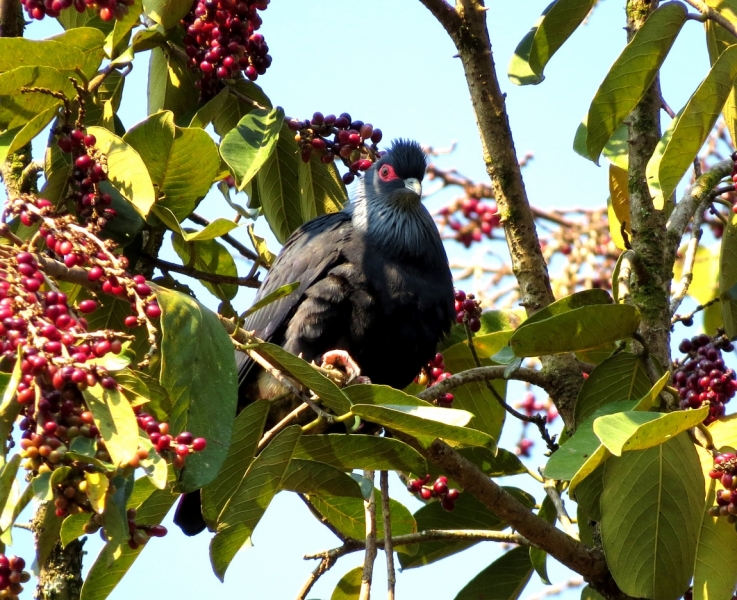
308, 255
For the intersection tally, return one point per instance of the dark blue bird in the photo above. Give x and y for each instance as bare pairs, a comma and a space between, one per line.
374, 282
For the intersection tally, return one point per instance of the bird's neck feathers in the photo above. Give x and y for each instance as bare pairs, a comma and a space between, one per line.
399, 225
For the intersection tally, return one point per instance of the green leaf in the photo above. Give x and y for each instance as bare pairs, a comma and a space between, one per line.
321, 188
349, 586
356, 451
150, 38
205, 114
278, 187
330, 394
653, 501
171, 85
558, 21
579, 329
116, 40
469, 513
116, 421
640, 430
697, 121
504, 579
247, 431
181, 161
215, 229
309, 477
715, 568
197, 361
266, 257
538, 557
492, 321
568, 303
475, 397
504, 463
621, 377
73, 527
13, 139
347, 515
249, 502
211, 257
21, 52
277, 294
16, 109
126, 170
728, 277
166, 13
113, 562
247, 146
153, 465
573, 454
631, 75
653, 166
7, 477
234, 108
426, 423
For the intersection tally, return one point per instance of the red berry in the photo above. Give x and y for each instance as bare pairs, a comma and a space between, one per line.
87, 306
199, 444
153, 310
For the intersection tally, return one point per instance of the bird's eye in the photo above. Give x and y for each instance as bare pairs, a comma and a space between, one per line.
386, 173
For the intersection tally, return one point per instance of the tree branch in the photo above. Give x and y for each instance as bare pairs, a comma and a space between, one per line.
466, 25
368, 561
714, 15
532, 376
165, 265
577, 556
391, 577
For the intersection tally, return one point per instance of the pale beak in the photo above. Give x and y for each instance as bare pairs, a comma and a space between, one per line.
414, 185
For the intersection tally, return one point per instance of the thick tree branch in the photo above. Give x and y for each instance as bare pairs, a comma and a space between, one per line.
650, 285
466, 25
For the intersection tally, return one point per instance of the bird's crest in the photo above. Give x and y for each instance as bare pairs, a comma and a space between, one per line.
407, 158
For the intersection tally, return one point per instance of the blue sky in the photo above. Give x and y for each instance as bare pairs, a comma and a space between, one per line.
390, 63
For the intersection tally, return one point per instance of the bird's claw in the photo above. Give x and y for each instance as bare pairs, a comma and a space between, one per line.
341, 358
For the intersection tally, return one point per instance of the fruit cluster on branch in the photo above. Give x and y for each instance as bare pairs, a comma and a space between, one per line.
439, 489
107, 10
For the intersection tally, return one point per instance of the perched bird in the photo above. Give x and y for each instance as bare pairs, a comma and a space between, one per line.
374, 282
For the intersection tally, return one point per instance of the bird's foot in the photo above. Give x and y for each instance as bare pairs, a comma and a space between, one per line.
340, 358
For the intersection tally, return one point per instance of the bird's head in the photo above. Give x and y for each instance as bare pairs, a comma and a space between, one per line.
397, 176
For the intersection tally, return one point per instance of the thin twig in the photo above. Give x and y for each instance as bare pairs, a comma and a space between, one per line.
287, 382
538, 420
391, 577
370, 556
709, 13
226, 237
288, 420
689, 317
689, 260
560, 509
165, 265
428, 535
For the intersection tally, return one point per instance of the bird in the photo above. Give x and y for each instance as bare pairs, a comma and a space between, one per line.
374, 283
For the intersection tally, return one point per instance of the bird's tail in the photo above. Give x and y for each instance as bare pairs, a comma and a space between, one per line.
189, 514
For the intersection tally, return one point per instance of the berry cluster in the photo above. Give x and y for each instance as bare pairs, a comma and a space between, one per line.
468, 310
725, 471
181, 446
530, 405
80, 247
12, 575
90, 168
433, 373
140, 534
221, 41
107, 10
702, 377
439, 489
470, 219
354, 142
